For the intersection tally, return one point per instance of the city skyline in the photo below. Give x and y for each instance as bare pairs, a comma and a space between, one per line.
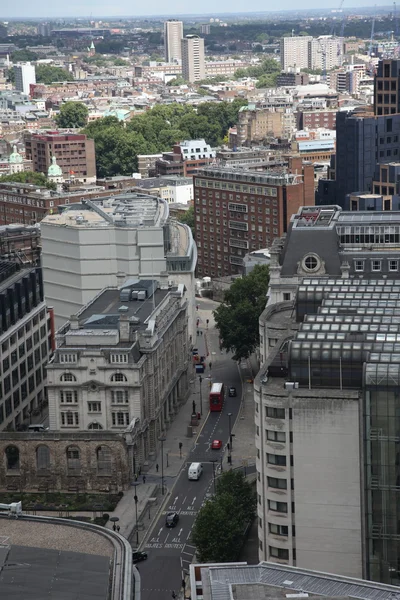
154, 8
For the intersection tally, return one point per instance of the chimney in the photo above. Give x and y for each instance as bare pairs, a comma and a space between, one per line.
124, 328
74, 322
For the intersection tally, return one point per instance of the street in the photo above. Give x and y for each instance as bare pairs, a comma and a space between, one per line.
169, 549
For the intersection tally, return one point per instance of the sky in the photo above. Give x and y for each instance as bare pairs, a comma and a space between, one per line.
99, 8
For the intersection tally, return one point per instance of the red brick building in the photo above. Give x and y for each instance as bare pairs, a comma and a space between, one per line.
241, 211
314, 119
74, 153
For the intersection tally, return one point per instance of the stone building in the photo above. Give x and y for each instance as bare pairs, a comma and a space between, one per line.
121, 365
93, 461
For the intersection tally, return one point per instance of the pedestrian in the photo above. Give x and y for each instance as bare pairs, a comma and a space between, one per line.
173, 595
157, 467
210, 365
198, 332
140, 470
114, 527
144, 478
201, 332
136, 476
118, 528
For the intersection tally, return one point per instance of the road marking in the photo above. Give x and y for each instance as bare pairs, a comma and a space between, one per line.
176, 499
180, 532
194, 500
175, 546
159, 533
166, 539
154, 546
184, 500
188, 513
188, 553
155, 540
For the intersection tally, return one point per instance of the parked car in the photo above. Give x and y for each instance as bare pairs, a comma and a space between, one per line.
232, 392
172, 519
216, 445
139, 556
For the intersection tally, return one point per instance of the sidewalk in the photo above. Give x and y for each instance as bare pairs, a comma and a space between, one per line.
148, 490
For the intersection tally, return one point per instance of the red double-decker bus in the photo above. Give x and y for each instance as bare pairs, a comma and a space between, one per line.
217, 396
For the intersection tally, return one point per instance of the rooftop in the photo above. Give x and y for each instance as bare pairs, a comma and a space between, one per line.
273, 581
238, 174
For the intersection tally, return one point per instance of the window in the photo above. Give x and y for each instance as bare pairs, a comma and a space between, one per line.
118, 377
286, 296
68, 397
42, 458
359, 265
67, 358
278, 483
277, 506
393, 265
376, 265
94, 425
67, 377
278, 529
94, 406
73, 458
120, 418
275, 436
12, 458
311, 262
104, 460
276, 459
275, 413
119, 358
282, 553
120, 396
69, 418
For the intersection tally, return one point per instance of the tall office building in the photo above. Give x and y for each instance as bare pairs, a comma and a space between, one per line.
25, 75
294, 52
173, 33
387, 86
193, 68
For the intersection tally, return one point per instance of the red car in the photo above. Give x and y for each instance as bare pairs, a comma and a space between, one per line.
216, 445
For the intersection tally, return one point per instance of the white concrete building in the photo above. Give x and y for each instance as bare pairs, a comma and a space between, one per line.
25, 75
173, 33
325, 52
89, 246
122, 364
193, 61
294, 52
196, 150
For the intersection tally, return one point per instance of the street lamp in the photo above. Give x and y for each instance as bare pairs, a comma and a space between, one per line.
230, 429
162, 439
136, 503
201, 397
213, 464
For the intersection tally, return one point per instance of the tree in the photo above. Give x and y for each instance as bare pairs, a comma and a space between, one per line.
30, 177
177, 81
220, 527
72, 114
237, 317
188, 218
48, 74
23, 56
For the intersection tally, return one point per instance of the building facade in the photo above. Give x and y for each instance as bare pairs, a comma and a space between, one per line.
241, 211
26, 341
173, 34
25, 76
74, 153
20, 244
123, 370
193, 62
326, 393
89, 246
294, 52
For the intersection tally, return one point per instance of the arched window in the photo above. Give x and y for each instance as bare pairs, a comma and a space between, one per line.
118, 377
68, 377
95, 425
73, 459
42, 458
104, 460
12, 458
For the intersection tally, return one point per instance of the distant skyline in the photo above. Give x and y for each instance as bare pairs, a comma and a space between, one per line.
124, 8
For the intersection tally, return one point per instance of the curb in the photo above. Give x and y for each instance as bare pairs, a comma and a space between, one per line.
154, 519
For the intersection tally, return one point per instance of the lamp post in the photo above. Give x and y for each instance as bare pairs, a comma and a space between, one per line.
136, 503
213, 464
230, 429
162, 439
201, 397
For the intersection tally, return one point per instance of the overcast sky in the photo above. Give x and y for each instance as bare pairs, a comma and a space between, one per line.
98, 8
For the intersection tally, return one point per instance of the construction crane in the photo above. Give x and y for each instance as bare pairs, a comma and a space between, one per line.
372, 35
396, 22
338, 10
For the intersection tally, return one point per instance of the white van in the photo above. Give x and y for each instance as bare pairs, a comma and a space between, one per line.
195, 471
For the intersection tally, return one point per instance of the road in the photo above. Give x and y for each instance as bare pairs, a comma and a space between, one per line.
169, 550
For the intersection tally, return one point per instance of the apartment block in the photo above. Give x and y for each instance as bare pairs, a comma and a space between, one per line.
387, 88
256, 124
25, 76
241, 211
173, 33
313, 119
193, 62
74, 153
26, 342
294, 52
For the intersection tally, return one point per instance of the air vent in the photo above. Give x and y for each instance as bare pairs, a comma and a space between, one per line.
123, 309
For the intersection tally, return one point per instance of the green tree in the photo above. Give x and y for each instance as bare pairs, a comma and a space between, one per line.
235, 483
72, 114
48, 74
237, 317
23, 56
177, 81
30, 177
188, 218
119, 62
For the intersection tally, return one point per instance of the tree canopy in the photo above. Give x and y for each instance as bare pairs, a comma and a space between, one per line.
29, 177
266, 73
23, 56
220, 527
72, 114
188, 218
48, 74
237, 317
118, 144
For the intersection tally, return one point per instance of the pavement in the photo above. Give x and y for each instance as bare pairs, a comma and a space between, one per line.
170, 551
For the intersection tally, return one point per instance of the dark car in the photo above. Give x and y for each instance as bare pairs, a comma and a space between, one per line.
172, 519
232, 392
139, 556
